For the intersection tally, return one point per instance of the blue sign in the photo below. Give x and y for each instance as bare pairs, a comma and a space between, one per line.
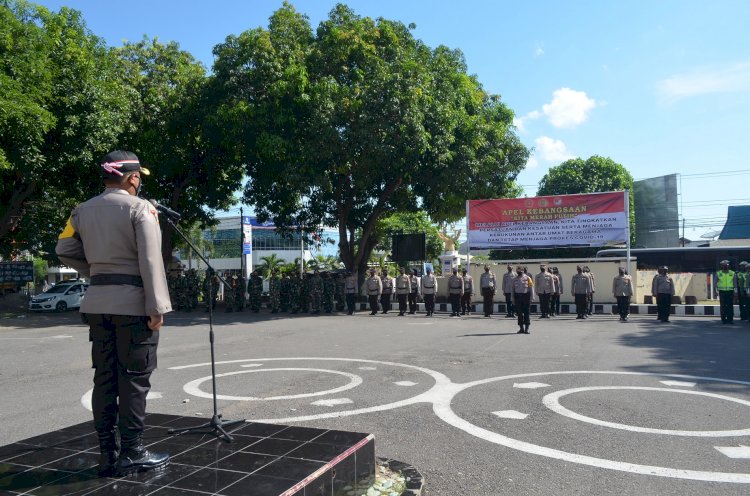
246, 248
246, 219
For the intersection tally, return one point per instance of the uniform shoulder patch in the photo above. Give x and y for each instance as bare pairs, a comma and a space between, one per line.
68, 232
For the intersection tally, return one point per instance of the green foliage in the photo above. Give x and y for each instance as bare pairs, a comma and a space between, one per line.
40, 269
270, 263
178, 132
62, 106
408, 223
594, 175
359, 120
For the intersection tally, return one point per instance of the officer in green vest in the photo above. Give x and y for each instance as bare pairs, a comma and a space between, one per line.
742, 298
726, 284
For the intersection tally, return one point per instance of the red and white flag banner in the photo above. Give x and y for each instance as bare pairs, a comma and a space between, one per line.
548, 221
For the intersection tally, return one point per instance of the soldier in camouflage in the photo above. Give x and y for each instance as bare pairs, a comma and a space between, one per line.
229, 293
192, 289
340, 292
304, 294
329, 291
316, 292
182, 293
213, 280
239, 294
172, 281
284, 292
295, 286
255, 290
274, 288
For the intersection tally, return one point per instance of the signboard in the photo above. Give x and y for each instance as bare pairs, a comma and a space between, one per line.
16, 272
247, 234
548, 221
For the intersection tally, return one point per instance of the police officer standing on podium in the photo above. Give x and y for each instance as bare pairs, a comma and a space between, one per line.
114, 239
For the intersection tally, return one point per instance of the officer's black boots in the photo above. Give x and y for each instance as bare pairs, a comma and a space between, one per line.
108, 452
136, 458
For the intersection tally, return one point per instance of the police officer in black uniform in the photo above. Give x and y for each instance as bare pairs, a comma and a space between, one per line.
114, 239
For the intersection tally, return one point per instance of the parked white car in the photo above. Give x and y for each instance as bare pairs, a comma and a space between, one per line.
60, 297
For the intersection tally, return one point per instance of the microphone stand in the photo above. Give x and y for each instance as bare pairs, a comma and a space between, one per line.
216, 425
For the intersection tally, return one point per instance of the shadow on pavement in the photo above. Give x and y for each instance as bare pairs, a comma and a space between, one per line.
699, 347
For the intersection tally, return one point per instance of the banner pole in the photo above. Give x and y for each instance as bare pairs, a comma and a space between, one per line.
468, 247
627, 219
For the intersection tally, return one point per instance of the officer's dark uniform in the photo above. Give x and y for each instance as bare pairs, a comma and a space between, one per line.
114, 239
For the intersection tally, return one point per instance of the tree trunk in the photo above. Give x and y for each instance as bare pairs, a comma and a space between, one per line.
11, 217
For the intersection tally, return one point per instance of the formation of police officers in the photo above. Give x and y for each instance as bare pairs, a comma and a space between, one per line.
326, 291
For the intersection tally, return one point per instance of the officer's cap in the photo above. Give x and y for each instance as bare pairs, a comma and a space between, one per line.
664, 267
723, 262
119, 162
743, 264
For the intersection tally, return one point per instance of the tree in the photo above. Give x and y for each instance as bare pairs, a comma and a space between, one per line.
359, 120
594, 175
270, 263
178, 129
63, 105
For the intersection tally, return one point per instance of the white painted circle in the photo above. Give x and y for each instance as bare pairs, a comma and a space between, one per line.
193, 387
552, 401
442, 408
441, 381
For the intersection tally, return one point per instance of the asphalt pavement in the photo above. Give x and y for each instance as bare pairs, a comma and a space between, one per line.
575, 407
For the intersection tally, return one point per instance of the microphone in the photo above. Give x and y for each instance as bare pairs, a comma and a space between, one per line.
165, 210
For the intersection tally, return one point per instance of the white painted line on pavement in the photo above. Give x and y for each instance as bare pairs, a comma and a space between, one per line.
252, 365
367, 368
530, 385
405, 383
679, 383
332, 402
193, 387
552, 402
740, 451
442, 408
511, 414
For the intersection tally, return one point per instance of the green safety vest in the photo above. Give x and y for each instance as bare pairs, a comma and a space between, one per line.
725, 280
741, 279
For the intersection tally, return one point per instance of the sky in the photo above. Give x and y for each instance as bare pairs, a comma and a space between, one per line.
661, 87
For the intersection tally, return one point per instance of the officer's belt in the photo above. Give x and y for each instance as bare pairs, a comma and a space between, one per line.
116, 280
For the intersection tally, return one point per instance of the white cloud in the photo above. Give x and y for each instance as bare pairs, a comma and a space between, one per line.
568, 108
551, 150
539, 50
730, 78
532, 163
520, 122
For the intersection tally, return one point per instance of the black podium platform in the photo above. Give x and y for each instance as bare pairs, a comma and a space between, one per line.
264, 460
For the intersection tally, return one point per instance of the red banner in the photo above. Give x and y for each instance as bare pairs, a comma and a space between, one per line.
546, 221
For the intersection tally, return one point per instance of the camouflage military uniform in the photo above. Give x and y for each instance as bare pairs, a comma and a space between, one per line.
191, 281
239, 294
304, 294
255, 289
295, 286
172, 280
182, 293
316, 293
329, 291
340, 295
284, 289
214, 282
229, 294
275, 291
